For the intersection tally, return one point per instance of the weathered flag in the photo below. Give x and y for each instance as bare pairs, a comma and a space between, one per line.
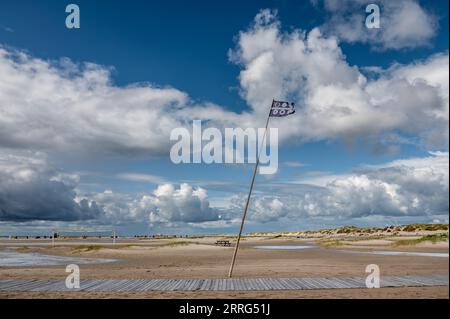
280, 108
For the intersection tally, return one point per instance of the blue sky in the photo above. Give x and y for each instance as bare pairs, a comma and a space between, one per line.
188, 47
184, 47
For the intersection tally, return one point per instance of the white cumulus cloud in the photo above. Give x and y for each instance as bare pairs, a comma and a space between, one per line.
335, 99
415, 187
403, 23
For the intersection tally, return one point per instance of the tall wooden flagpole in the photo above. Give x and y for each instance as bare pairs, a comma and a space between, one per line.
230, 273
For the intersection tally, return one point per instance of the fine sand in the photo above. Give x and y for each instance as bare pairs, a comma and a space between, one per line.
200, 258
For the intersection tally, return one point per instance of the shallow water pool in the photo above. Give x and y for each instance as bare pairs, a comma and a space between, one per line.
397, 253
284, 247
16, 259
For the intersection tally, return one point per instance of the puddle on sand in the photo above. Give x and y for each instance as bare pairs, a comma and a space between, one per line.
15, 259
397, 253
284, 247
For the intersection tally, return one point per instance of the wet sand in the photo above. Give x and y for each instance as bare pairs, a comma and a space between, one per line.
200, 258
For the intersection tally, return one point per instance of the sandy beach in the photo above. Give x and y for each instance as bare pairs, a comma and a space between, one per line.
199, 258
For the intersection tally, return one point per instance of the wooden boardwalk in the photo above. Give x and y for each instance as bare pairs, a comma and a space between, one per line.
234, 284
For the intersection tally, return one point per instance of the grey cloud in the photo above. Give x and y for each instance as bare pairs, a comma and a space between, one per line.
30, 189
33, 190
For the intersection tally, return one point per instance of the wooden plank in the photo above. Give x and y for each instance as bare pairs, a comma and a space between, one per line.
86, 285
220, 284
252, 284
216, 285
389, 282
185, 284
195, 284
150, 285
425, 281
242, 285
203, 285
169, 285
238, 284
273, 284
291, 285
130, 285
299, 282
17, 284
317, 283
177, 285
48, 286
118, 286
231, 284
140, 284
357, 282
224, 284
24, 285
115, 285
442, 280
262, 284
435, 281
188, 284
154, 284
127, 285
6, 283
98, 285
198, 284
309, 284
341, 282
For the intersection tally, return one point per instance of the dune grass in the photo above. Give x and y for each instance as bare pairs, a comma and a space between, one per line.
275, 237
394, 230
175, 244
428, 238
330, 243
86, 248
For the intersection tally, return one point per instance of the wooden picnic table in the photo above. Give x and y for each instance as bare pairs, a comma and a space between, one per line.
225, 243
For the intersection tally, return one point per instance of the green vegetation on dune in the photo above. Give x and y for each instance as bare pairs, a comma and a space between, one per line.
176, 244
347, 230
426, 227
331, 243
275, 237
389, 229
86, 248
429, 238
435, 238
361, 231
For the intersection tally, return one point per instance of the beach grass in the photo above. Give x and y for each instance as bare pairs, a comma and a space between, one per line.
393, 230
428, 238
176, 244
330, 243
86, 248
